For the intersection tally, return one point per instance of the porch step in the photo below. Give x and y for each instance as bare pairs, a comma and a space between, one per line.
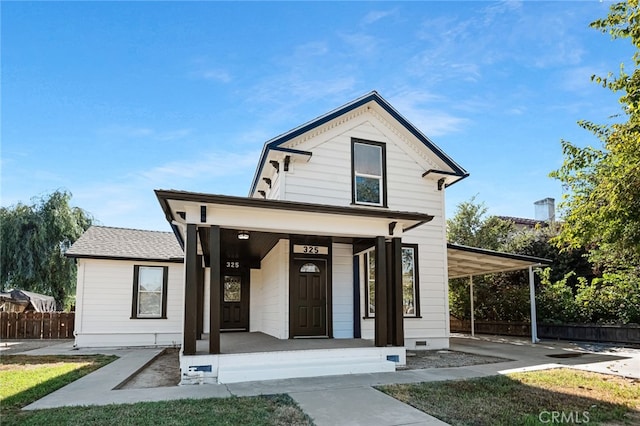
283, 365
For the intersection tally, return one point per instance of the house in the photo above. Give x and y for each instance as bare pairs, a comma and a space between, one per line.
338, 254
545, 214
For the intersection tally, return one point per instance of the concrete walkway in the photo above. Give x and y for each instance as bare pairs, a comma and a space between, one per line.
345, 400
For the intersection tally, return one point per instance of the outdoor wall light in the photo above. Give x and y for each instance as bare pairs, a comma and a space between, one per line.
243, 235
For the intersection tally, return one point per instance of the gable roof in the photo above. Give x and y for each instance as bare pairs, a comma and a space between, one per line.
373, 96
102, 242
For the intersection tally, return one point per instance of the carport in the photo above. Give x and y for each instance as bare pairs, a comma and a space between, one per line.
464, 261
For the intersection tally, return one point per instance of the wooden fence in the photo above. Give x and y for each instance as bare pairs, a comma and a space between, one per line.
629, 333
36, 325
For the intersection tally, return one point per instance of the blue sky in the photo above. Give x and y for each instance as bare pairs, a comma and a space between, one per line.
113, 100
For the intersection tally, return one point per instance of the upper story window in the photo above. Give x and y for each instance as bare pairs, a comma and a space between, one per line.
149, 292
368, 164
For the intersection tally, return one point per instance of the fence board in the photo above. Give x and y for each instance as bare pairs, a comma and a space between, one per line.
629, 333
36, 325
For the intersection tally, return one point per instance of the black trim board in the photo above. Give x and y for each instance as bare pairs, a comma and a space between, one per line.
165, 195
319, 121
133, 259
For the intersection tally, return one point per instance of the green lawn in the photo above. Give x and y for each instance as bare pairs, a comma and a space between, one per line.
25, 379
533, 398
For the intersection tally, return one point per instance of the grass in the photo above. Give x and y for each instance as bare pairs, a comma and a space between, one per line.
529, 398
26, 379
279, 410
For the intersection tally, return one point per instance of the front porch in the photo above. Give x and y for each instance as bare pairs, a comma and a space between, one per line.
288, 270
257, 356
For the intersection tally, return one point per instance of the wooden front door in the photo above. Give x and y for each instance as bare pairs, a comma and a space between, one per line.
234, 309
309, 298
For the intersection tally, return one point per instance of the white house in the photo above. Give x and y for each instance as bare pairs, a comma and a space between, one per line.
342, 237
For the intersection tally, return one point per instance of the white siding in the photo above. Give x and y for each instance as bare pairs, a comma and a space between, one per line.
255, 300
272, 308
342, 291
274, 192
105, 297
326, 179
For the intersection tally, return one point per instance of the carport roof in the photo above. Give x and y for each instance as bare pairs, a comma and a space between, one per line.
467, 261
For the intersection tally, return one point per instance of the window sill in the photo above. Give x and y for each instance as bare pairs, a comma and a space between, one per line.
405, 317
147, 318
369, 205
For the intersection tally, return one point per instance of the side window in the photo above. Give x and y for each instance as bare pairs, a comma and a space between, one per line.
410, 305
149, 292
368, 163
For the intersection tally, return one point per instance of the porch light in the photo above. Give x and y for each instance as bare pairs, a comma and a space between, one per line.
243, 235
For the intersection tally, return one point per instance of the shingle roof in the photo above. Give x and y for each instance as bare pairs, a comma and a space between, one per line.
101, 242
531, 223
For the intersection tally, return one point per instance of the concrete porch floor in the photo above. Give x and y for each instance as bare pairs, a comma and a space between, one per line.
251, 342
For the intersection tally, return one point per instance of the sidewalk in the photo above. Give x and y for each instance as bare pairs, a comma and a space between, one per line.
345, 400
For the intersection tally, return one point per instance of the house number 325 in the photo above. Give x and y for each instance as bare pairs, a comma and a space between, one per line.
233, 265
311, 249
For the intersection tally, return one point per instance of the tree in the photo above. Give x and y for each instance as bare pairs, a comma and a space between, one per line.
602, 200
34, 239
470, 226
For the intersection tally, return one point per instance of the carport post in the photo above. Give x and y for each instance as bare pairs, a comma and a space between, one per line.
532, 296
473, 326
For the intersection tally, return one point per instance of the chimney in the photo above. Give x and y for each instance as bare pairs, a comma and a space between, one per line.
546, 210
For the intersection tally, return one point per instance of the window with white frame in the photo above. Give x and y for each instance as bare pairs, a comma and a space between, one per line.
410, 305
369, 172
149, 292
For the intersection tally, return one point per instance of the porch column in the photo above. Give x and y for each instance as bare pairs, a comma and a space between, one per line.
381, 296
532, 297
189, 333
214, 290
397, 313
200, 304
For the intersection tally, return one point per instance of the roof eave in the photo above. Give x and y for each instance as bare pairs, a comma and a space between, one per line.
369, 97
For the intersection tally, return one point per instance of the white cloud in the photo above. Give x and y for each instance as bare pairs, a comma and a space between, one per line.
376, 15
418, 107
141, 132
212, 74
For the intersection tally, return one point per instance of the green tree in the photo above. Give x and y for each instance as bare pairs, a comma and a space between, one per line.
602, 200
34, 239
471, 226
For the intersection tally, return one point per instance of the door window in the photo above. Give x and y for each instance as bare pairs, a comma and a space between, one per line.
310, 267
232, 288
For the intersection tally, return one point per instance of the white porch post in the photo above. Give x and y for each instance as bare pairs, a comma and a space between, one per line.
532, 297
473, 326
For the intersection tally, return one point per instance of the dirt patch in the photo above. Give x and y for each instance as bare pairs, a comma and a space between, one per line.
163, 371
11, 347
417, 360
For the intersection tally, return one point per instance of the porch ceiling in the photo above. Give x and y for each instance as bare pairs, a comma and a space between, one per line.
466, 261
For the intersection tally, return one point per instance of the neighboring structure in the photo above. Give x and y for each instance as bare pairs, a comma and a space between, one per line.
545, 214
21, 301
342, 236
